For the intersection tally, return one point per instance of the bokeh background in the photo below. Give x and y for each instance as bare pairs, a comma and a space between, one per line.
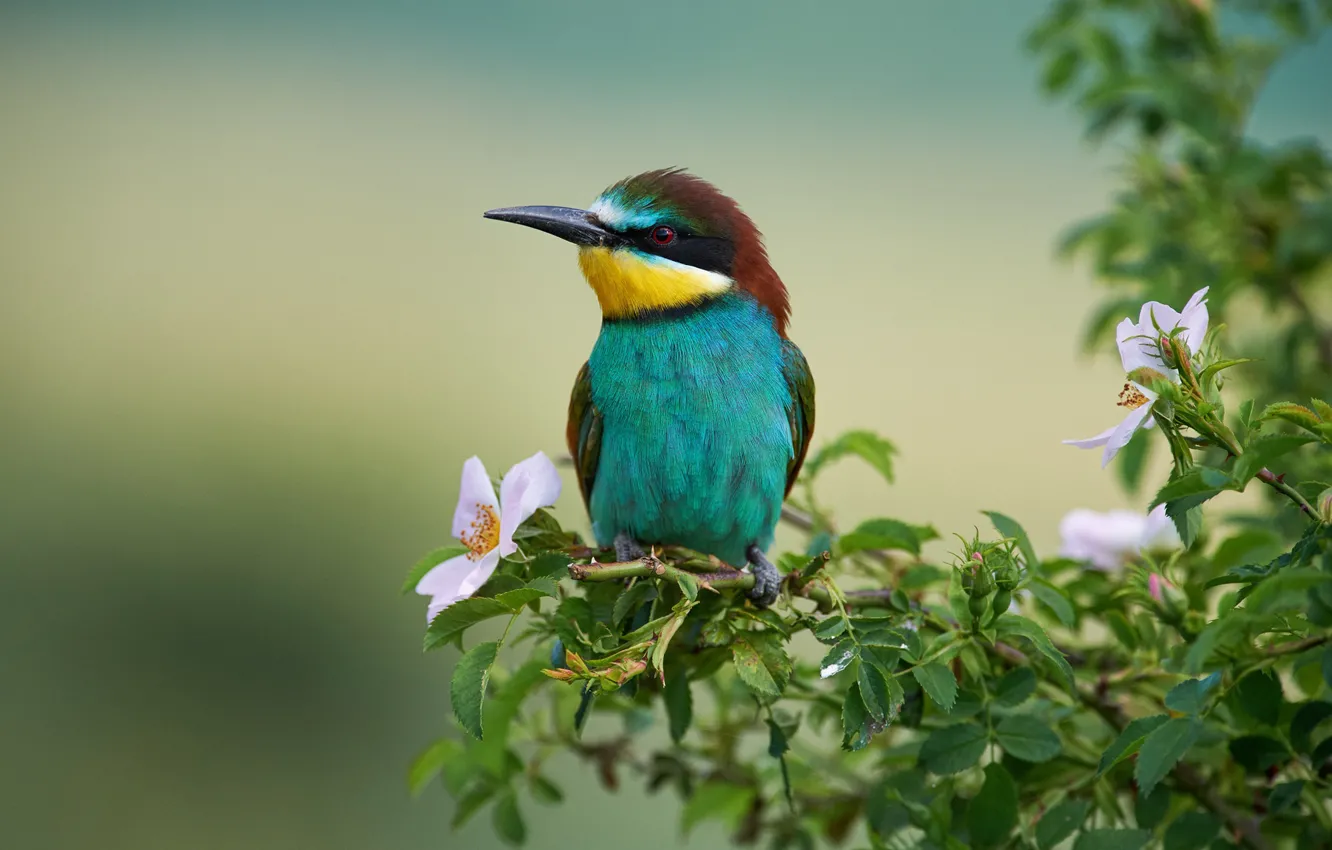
251, 323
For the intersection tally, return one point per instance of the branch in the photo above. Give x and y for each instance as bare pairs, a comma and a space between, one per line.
1275, 482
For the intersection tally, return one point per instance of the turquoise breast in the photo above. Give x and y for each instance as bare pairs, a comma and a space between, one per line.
695, 433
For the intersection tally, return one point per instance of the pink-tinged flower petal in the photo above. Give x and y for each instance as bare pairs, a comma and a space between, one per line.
530, 484
1154, 587
454, 580
1159, 533
1092, 442
1194, 320
1123, 432
475, 494
1103, 539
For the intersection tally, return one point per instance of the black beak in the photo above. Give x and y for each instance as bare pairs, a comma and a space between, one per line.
576, 226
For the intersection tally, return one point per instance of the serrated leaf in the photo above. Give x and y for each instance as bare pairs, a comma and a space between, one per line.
992, 813
749, 664
1285, 796
1192, 831
1113, 839
467, 688
838, 658
455, 619
427, 563
1009, 527
855, 720
1190, 696
829, 629
1130, 740
1025, 737
688, 585
508, 820
1305, 721
1259, 694
953, 749
868, 446
426, 766
1261, 451
1194, 487
874, 691
1257, 753
715, 800
1015, 686
515, 599
1055, 599
937, 681
471, 802
679, 705
631, 600
668, 630
1060, 822
545, 791
1014, 624
1162, 750
882, 533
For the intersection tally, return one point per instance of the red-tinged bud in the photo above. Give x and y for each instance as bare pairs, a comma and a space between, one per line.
561, 674
1171, 603
576, 663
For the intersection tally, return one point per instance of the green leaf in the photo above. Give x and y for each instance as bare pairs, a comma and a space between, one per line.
1194, 487
868, 446
1025, 737
1192, 831
1305, 721
1187, 518
992, 813
1293, 413
953, 749
1285, 796
1257, 753
471, 802
679, 705
508, 821
838, 658
874, 692
1190, 696
1009, 527
1058, 823
882, 533
545, 791
749, 664
1130, 740
467, 689
1163, 748
1113, 839
855, 720
678, 614
502, 706
688, 585
455, 619
1259, 695
631, 600
553, 565
517, 598
714, 800
1262, 451
1013, 624
427, 563
1055, 599
1150, 809
1015, 686
426, 766
937, 681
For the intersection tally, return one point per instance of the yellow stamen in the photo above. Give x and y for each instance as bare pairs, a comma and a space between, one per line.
1131, 397
484, 535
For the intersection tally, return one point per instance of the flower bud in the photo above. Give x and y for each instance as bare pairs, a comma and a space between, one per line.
1171, 603
1324, 505
1002, 600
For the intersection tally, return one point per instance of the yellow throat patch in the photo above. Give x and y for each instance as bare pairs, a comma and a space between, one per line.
626, 283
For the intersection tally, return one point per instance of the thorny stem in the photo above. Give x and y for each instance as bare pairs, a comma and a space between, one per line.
1266, 476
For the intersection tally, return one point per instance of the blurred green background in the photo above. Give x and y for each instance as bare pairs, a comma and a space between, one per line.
251, 323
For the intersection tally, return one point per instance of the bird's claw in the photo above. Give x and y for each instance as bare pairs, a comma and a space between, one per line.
767, 580
627, 548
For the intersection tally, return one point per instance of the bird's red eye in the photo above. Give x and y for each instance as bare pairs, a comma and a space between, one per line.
663, 235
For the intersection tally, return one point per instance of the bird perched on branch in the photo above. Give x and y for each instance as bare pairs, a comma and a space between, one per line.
690, 420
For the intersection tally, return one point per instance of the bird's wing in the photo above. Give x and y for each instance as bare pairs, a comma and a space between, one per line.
584, 433
800, 381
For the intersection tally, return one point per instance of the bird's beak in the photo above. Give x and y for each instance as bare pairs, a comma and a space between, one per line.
576, 226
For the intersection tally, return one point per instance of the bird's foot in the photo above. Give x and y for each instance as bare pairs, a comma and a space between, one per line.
767, 580
627, 548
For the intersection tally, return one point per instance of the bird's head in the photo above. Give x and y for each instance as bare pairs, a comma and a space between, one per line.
660, 241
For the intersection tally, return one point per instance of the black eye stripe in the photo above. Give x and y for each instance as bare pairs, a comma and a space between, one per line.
710, 253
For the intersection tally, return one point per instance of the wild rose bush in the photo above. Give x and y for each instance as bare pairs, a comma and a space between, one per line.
1164, 679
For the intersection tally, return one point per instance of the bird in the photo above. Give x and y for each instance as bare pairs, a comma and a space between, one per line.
693, 413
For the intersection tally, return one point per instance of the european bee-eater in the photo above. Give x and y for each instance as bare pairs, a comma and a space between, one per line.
689, 421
